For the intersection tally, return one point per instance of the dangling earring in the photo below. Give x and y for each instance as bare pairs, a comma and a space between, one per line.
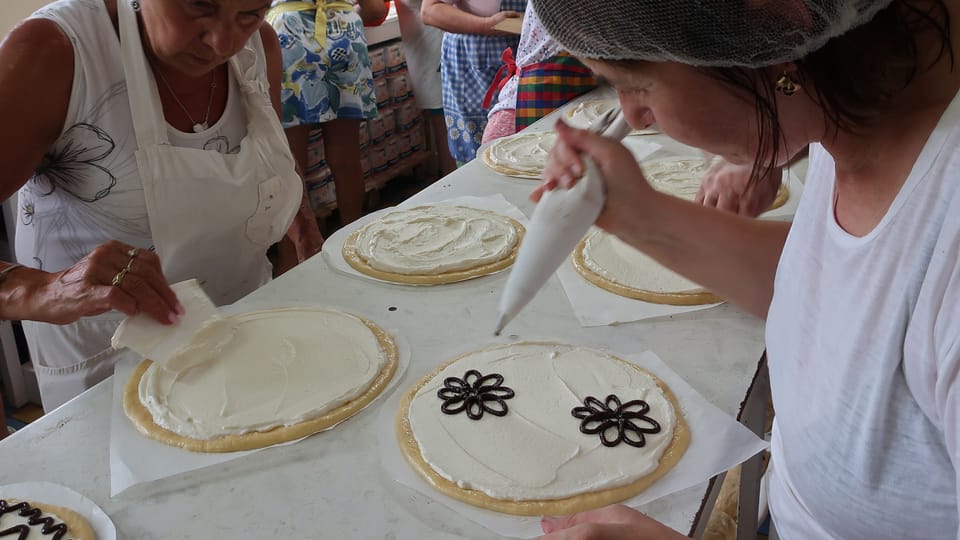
135, 5
786, 85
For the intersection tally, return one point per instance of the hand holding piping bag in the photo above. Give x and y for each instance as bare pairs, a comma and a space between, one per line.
560, 220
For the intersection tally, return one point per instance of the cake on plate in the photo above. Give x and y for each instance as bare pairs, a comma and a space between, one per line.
27, 520
434, 244
540, 428
261, 378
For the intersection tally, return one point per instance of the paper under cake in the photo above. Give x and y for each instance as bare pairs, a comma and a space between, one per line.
540, 428
261, 378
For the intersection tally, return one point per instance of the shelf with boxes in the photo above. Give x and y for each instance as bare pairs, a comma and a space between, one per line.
391, 144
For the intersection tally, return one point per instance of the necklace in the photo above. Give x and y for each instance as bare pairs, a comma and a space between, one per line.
197, 126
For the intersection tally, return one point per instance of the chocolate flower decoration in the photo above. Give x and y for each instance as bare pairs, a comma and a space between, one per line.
599, 417
475, 394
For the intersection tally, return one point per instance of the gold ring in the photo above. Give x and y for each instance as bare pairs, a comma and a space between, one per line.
117, 279
133, 253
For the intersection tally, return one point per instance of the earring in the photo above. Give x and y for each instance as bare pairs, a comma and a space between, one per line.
135, 5
786, 85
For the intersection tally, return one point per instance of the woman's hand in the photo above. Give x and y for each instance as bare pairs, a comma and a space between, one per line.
724, 186
499, 17
628, 193
113, 276
615, 522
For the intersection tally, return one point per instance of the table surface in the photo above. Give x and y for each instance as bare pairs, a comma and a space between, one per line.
331, 485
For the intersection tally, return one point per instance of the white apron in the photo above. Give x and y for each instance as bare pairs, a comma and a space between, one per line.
212, 216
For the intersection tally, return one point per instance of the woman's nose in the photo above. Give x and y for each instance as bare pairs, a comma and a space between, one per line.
222, 38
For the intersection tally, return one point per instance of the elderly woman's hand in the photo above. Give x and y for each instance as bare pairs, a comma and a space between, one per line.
724, 186
615, 522
113, 276
627, 190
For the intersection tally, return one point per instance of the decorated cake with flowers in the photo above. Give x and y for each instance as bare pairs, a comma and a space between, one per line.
540, 428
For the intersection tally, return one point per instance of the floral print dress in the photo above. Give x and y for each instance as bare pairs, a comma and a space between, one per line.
323, 82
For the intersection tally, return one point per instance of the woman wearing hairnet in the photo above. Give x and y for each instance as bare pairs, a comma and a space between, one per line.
860, 294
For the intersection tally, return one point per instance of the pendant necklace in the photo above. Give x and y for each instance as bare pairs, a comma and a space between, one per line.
197, 126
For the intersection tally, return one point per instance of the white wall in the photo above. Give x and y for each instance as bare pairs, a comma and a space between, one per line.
14, 11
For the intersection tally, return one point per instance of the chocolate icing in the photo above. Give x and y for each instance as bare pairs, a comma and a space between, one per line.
475, 396
598, 417
33, 514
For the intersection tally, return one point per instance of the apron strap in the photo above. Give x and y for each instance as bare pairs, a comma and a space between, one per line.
149, 125
506, 71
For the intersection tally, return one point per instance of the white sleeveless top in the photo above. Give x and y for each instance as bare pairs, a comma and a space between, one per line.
863, 337
87, 189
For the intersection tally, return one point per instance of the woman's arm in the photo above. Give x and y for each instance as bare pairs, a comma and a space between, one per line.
451, 19
733, 256
304, 233
36, 80
35, 84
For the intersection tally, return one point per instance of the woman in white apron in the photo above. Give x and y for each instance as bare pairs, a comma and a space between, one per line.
149, 151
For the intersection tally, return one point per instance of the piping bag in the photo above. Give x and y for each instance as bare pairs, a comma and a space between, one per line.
560, 220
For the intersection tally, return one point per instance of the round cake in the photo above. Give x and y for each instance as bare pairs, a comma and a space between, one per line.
435, 244
24, 519
681, 177
585, 113
611, 264
540, 429
261, 378
522, 155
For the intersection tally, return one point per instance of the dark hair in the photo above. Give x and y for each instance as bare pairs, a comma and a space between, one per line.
853, 78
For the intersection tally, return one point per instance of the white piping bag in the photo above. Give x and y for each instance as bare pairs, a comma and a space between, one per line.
560, 220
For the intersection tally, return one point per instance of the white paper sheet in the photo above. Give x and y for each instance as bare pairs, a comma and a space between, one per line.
333, 246
136, 459
158, 342
64, 497
594, 306
717, 443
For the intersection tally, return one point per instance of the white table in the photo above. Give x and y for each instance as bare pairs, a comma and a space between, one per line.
331, 485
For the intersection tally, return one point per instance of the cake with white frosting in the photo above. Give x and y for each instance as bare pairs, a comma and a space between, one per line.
260, 378
525, 154
30, 520
522, 155
584, 114
612, 264
540, 428
434, 244
681, 177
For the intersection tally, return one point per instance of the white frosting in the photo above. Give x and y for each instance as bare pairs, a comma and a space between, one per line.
14, 519
537, 450
619, 262
527, 153
430, 240
585, 113
524, 152
677, 177
259, 370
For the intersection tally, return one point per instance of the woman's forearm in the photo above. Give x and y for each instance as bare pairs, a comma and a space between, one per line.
733, 256
451, 19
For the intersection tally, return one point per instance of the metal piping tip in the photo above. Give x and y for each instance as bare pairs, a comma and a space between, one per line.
501, 322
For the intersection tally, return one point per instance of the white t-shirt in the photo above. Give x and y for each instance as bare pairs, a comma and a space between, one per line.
863, 337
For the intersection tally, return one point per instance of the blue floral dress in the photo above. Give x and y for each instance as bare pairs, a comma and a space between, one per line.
323, 82
469, 63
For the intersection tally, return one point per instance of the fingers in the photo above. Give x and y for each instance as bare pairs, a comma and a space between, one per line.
137, 282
